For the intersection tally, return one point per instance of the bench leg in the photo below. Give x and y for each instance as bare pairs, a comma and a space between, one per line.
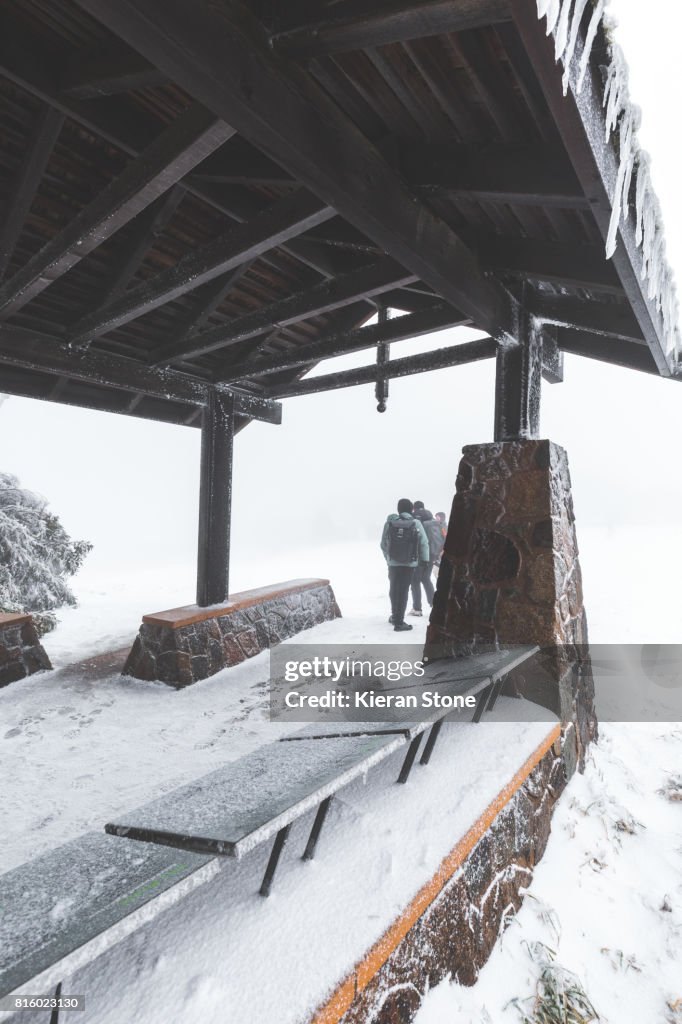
431, 742
496, 691
309, 851
277, 848
54, 1016
409, 759
481, 705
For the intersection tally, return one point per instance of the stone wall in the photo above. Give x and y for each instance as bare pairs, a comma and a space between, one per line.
184, 645
510, 574
21, 653
454, 921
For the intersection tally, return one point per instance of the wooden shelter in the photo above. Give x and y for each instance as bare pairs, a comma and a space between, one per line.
202, 201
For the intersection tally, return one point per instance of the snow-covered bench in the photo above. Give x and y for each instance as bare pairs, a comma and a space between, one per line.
67, 907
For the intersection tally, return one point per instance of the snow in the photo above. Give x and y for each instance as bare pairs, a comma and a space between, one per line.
607, 896
624, 117
102, 746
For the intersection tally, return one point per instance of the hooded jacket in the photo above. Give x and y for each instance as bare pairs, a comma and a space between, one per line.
423, 544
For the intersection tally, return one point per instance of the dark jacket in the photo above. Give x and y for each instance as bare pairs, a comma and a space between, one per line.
423, 544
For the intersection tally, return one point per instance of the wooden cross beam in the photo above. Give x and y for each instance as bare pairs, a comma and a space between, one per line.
609, 318
577, 266
29, 176
284, 219
222, 57
401, 328
350, 25
628, 354
321, 298
185, 143
107, 73
45, 353
455, 355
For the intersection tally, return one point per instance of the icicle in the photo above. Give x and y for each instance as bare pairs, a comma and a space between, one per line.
642, 188
561, 34
543, 7
553, 12
572, 40
595, 21
618, 203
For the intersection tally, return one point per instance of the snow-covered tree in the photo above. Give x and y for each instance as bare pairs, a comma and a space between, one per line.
36, 555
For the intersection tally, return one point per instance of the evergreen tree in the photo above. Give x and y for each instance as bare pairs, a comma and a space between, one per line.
36, 555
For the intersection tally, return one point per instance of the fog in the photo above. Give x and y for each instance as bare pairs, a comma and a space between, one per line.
335, 467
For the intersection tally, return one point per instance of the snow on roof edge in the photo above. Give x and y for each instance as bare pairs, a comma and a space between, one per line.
564, 18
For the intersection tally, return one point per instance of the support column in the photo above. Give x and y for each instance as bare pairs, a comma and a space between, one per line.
215, 499
518, 379
510, 574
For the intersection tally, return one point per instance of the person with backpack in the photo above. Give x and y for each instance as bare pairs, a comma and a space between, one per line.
421, 576
404, 545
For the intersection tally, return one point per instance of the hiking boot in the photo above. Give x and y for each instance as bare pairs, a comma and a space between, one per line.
416, 611
390, 619
400, 627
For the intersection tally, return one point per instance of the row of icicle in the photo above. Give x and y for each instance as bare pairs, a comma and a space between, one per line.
564, 18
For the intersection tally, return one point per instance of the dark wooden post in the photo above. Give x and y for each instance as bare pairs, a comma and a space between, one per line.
383, 356
518, 378
215, 498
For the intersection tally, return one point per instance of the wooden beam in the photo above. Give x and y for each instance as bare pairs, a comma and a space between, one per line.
518, 377
222, 57
207, 300
552, 356
455, 355
321, 298
609, 318
574, 266
401, 328
355, 25
580, 119
185, 143
146, 228
45, 353
215, 499
228, 167
521, 175
29, 176
27, 66
628, 354
284, 219
108, 73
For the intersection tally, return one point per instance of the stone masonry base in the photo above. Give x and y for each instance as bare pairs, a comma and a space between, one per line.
21, 652
182, 646
453, 923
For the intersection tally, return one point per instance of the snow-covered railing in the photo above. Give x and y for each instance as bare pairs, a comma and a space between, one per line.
622, 116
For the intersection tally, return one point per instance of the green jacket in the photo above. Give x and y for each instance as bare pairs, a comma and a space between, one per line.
423, 549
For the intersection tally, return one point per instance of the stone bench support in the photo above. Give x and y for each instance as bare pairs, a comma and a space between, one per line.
21, 652
181, 646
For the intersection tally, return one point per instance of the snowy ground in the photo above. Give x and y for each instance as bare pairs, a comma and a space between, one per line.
101, 745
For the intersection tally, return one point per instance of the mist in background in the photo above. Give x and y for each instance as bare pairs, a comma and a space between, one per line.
335, 468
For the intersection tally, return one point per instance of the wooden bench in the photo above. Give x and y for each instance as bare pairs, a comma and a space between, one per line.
65, 908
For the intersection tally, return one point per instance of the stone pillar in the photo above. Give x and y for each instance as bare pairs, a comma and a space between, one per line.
510, 574
21, 652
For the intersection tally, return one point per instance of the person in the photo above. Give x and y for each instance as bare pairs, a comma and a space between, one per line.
442, 521
404, 545
421, 576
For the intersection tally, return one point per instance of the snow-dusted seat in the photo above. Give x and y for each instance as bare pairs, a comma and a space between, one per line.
64, 908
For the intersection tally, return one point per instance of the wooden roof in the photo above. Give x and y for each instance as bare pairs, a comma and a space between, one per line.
223, 194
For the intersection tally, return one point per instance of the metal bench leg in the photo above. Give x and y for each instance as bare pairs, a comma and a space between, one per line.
309, 851
54, 1016
409, 759
481, 705
496, 691
277, 848
431, 741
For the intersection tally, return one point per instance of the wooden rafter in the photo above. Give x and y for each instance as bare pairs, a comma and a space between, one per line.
577, 266
627, 354
321, 298
283, 220
107, 73
338, 343
30, 173
607, 318
222, 57
351, 26
185, 143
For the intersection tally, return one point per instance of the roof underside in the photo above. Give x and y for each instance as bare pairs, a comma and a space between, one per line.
202, 194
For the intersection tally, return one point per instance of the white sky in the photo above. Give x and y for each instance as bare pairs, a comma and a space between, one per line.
335, 468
